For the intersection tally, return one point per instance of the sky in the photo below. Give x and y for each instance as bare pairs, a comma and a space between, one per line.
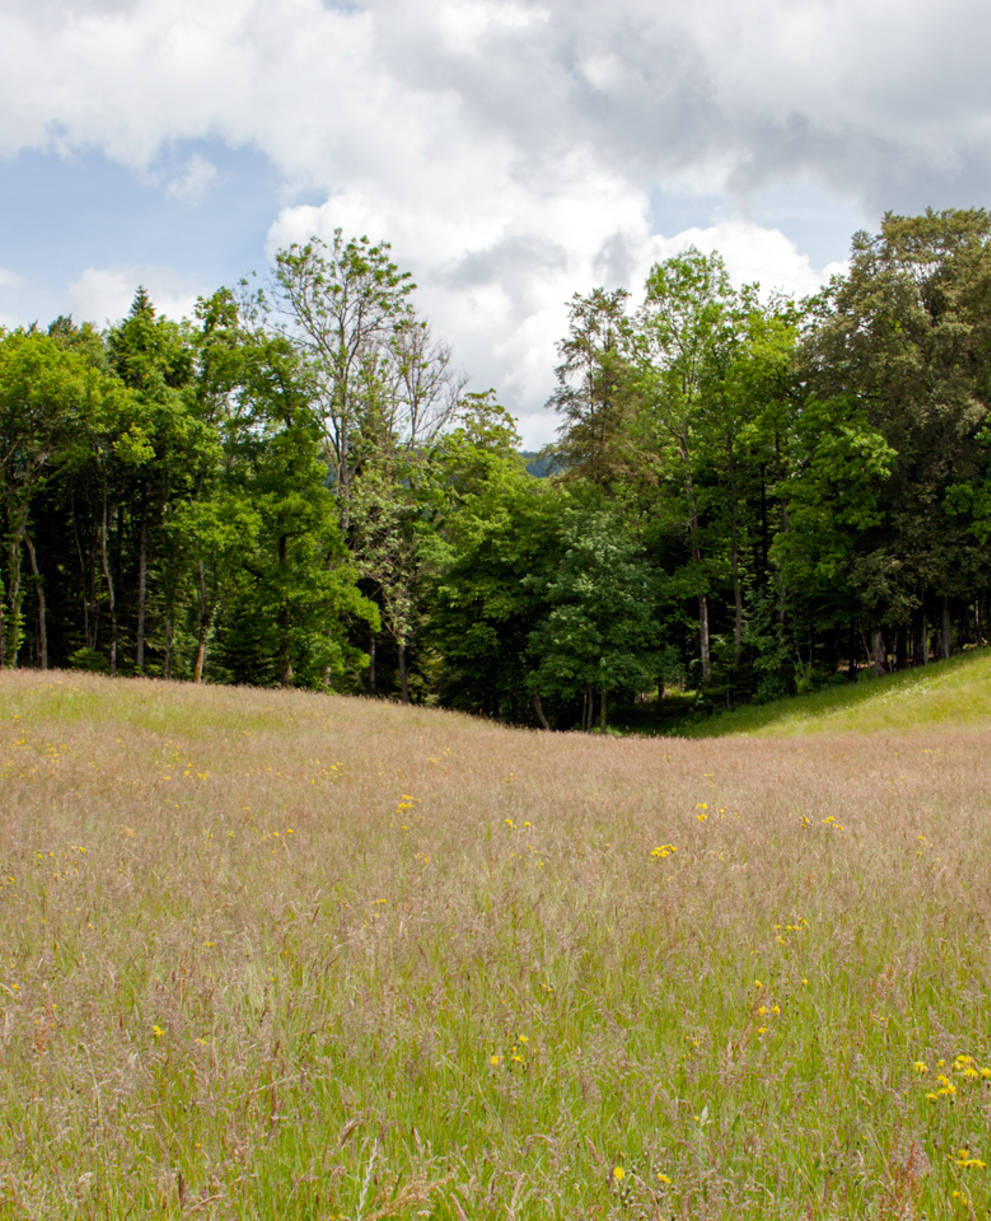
513, 152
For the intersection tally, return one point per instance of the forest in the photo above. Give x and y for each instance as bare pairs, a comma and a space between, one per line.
748, 497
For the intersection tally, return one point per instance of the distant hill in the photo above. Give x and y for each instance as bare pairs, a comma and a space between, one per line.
541, 464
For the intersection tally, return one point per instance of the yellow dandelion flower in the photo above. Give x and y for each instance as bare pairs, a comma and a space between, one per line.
618, 1173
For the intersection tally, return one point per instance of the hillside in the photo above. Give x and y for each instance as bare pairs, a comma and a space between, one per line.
944, 694
280, 955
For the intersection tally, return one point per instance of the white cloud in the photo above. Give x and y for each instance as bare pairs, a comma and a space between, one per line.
10, 286
509, 149
194, 182
752, 254
104, 295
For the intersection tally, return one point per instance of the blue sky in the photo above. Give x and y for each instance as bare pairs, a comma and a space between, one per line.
63, 215
512, 151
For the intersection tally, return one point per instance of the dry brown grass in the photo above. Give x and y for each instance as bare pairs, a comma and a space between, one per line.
284, 955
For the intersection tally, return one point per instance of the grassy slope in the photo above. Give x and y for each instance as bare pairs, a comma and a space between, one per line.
948, 694
275, 955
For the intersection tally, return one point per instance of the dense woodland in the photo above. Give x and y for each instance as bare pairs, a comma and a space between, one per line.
295, 486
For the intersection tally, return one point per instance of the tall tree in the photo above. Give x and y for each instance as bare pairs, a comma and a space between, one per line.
600, 631
296, 597
343, 305
908, 333
595, 392
686, 333
166, 448
44, 391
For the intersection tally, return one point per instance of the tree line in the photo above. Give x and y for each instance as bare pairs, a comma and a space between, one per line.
296, 486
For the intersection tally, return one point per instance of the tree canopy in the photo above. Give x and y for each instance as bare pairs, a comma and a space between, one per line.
748, 495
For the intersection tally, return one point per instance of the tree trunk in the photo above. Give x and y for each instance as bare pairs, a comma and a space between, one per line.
205, 622
877, 652
371, 661
139, 645
284, 659
200, 661
764, 524
344, 478
108, 577
167, 663
704, 642
696, 551
901, 649
538, 708
735, 561
602, 709
42, 615
922, 639
15, 599
85, 574
946, 632
403, 676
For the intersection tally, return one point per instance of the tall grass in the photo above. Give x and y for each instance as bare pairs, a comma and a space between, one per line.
276, 955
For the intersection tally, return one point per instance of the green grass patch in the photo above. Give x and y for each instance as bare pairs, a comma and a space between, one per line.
949, 693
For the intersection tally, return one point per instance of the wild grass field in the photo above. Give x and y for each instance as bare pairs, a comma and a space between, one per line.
289, 956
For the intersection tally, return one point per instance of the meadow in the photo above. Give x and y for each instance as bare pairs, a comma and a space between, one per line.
281, 955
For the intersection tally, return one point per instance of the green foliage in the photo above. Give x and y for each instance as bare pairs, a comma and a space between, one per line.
905, 337
600, 630
748, 497
595, 389
501, 546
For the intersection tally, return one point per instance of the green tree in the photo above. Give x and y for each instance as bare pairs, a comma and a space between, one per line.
45, 391
908, 333
343, 305
292, 610
687, 332
600, 631
498, 529
166, 450
595, 391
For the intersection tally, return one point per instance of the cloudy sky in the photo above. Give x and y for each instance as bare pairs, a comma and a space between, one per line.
512, 151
